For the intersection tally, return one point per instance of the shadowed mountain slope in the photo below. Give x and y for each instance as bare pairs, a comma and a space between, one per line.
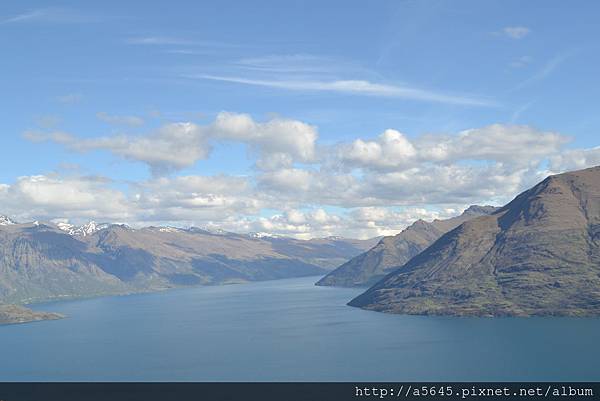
538, 255
41, 261
393, 251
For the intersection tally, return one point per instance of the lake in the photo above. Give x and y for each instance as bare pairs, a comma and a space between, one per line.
287, 330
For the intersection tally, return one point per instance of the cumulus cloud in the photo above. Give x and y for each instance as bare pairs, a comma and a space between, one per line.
317, 222
390, 149
195, 198
575, 159
365, 187
173, 146
428, 184
278, 140
223, 202
43, 196
176, 146
516, 144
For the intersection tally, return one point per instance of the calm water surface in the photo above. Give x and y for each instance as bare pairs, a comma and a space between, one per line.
287, 330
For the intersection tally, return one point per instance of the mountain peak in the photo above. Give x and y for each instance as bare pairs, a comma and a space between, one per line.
393, 251
83, 230
480, 210
6, 221
537, 255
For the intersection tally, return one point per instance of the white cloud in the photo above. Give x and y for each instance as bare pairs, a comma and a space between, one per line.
448, 184
575, 159
195, 198
176, 146
376, 186
356, 87
391, 149
516, 32
173, 146
49, 197
279, 138
516, 144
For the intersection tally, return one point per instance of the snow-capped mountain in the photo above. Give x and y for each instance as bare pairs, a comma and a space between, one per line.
259, 235
84, 230
6, 221
169, 229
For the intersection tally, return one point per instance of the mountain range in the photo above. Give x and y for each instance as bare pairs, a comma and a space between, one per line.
392, 252
537, 255
42, 261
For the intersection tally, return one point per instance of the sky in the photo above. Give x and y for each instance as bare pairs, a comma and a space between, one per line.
297, 118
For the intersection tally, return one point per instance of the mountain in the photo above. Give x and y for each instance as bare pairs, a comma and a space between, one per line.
393, 251
40, 261
86, 229
6, 221
12, 314
538, 255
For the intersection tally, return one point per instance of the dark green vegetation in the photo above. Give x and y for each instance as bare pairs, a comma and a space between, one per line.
41, 262
11, 314
538, 255
393, 251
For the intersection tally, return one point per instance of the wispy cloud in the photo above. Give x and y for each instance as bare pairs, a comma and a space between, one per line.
544, 72
158, 41
522, 61
26, 16
515, 32
356, 87
70, 98
188, 46
50, 15
132, 121
292, 63
520, 111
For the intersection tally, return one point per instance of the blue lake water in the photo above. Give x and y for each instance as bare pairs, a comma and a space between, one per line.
287, 330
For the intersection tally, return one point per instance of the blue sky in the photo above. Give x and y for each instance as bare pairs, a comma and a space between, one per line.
272, 117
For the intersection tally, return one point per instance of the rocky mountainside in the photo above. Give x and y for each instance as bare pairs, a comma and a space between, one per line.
393, 251
538, 255
40, 261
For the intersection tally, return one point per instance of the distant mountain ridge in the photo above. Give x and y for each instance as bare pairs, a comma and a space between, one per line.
393, 251
538, 255
83, 230
42, 261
